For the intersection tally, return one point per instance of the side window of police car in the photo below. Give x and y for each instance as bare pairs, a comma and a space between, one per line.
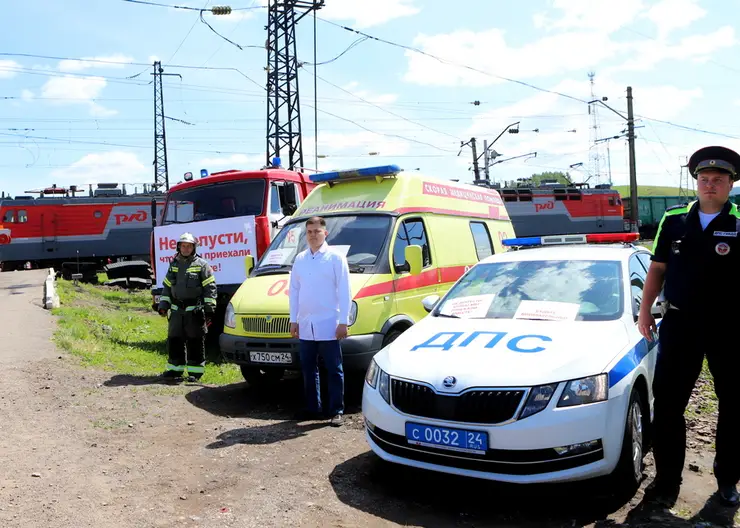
637, 283
410, 233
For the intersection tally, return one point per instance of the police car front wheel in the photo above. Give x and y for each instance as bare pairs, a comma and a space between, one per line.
628, 473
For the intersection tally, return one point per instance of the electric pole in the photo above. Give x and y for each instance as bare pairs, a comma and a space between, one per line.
476, 170
283, 101
485, 160
161, 177
633, 171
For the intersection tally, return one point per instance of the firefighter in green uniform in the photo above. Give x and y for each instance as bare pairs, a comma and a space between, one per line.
189, 295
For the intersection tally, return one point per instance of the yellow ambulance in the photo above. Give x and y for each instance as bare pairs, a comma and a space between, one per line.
405, 236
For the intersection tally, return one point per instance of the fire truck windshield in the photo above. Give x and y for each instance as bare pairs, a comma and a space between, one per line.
214, 201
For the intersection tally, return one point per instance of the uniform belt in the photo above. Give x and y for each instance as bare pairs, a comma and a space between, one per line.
185, 304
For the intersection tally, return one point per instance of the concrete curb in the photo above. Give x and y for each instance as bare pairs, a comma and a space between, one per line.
51, 298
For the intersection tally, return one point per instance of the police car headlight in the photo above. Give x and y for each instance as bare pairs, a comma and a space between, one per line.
378, 378
230, 317
371, 376
586, 390
538, 399
352, 314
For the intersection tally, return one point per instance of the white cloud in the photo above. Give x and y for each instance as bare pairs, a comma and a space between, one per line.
112, 61
668, 15
360, 143
235, 161
154, 58
114, 166
602, 16
489, 52
27, 95
378, 99
367, 13
76, 90
7, 68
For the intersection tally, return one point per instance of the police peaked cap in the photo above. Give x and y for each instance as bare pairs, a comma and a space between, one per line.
717, 158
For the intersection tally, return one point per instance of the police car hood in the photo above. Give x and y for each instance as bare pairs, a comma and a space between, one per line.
268, 294
502, 352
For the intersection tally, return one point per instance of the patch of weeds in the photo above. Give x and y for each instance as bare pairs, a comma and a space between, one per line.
102, 423
116, 330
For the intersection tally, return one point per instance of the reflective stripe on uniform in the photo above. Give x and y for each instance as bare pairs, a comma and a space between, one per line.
677, 211
167, 282
209, 300
174, 268
190, 308
734, 211
164, 298
175, 368
196, 369
194, 269
209, 280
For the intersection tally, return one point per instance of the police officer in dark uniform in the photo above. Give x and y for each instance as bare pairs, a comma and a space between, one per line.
696, 252
189, 295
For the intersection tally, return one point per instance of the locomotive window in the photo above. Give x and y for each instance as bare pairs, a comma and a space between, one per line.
9, 217
22, 216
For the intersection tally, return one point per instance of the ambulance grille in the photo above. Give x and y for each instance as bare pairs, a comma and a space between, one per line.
266, 325
487, 406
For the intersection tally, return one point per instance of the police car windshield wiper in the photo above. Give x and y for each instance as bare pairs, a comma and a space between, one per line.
451, 316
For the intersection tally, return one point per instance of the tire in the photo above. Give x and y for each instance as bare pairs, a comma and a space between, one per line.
261, 378
391, 336
628, 473
129, 268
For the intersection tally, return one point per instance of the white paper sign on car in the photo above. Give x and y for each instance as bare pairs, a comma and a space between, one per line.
547, 310
472, 306
224, 243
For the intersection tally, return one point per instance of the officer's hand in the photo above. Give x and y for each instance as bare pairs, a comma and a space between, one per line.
646, 325
294, 330
341, 331
162, 312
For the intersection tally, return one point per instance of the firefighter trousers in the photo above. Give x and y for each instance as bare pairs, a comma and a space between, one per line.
186, 342
685, 340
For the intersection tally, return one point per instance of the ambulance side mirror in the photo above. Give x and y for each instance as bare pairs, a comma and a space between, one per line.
248, 264
414, 259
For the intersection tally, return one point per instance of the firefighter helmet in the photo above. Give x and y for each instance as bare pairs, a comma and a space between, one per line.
189, 238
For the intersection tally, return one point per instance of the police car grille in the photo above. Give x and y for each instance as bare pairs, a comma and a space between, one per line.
488, 406
258, 324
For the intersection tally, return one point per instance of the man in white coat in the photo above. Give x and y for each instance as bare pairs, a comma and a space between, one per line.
320, 300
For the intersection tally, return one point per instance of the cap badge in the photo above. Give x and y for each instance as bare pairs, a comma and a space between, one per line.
722, 248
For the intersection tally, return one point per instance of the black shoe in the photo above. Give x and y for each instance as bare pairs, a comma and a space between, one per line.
729, 496
192, 379
337, 420
663, 490
171, 375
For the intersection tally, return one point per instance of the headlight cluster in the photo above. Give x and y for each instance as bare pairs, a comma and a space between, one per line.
379, 379
230, 317
592, 389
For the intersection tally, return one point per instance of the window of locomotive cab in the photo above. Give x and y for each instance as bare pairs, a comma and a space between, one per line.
215, 201
22, 216
9, 217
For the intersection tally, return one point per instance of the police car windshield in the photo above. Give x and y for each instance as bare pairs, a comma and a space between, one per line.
577, 290
361, 237
211, 202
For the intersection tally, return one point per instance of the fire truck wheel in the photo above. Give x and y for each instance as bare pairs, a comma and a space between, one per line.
262, 377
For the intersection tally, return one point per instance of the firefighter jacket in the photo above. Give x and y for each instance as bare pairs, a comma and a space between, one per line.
189, 280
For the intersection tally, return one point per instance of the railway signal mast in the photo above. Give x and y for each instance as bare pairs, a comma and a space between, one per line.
283, 102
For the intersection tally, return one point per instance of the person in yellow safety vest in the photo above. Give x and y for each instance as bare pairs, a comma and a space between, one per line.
189, 295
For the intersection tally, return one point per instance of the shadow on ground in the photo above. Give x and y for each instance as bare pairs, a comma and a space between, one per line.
416, 497
122, 380
265, 434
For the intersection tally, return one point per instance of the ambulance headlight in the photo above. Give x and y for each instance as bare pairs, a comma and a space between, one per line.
585, 390
352, 314
538, 399
230, 317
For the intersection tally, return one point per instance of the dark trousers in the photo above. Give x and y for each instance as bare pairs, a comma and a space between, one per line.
194, 358
684, 340
331, 353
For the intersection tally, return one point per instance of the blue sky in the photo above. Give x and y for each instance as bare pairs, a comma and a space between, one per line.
73, 122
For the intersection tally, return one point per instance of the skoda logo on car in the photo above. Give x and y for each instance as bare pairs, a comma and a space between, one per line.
449, 382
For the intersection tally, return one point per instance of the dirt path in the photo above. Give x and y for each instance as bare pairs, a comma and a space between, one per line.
85, 448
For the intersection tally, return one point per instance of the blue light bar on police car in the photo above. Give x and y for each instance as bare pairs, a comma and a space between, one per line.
355, 174
553, 240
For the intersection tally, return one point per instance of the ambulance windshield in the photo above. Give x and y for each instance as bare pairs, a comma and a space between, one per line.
555, 290
214, 201
361, 238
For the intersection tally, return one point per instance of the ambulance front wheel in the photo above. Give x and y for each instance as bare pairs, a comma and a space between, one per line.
261, 377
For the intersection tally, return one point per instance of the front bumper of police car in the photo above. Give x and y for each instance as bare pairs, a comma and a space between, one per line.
565, 431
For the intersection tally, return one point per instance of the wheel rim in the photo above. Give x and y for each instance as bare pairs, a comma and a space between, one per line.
636, 439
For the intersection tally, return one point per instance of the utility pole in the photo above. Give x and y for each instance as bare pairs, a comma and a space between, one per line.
161, 177
485, 159
283, 101
476, 170
633, 169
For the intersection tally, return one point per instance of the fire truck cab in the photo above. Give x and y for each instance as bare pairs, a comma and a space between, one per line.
233, 214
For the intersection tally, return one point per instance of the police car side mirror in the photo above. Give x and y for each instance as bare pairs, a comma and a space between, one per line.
656, 310
248, 264
430, 302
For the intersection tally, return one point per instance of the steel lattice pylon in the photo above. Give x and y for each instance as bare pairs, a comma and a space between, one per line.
283, 102
161, 178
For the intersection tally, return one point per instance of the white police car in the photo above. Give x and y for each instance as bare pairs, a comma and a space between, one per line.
530, 368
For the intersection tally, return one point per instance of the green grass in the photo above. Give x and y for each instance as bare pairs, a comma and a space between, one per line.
648, 190
116, 330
